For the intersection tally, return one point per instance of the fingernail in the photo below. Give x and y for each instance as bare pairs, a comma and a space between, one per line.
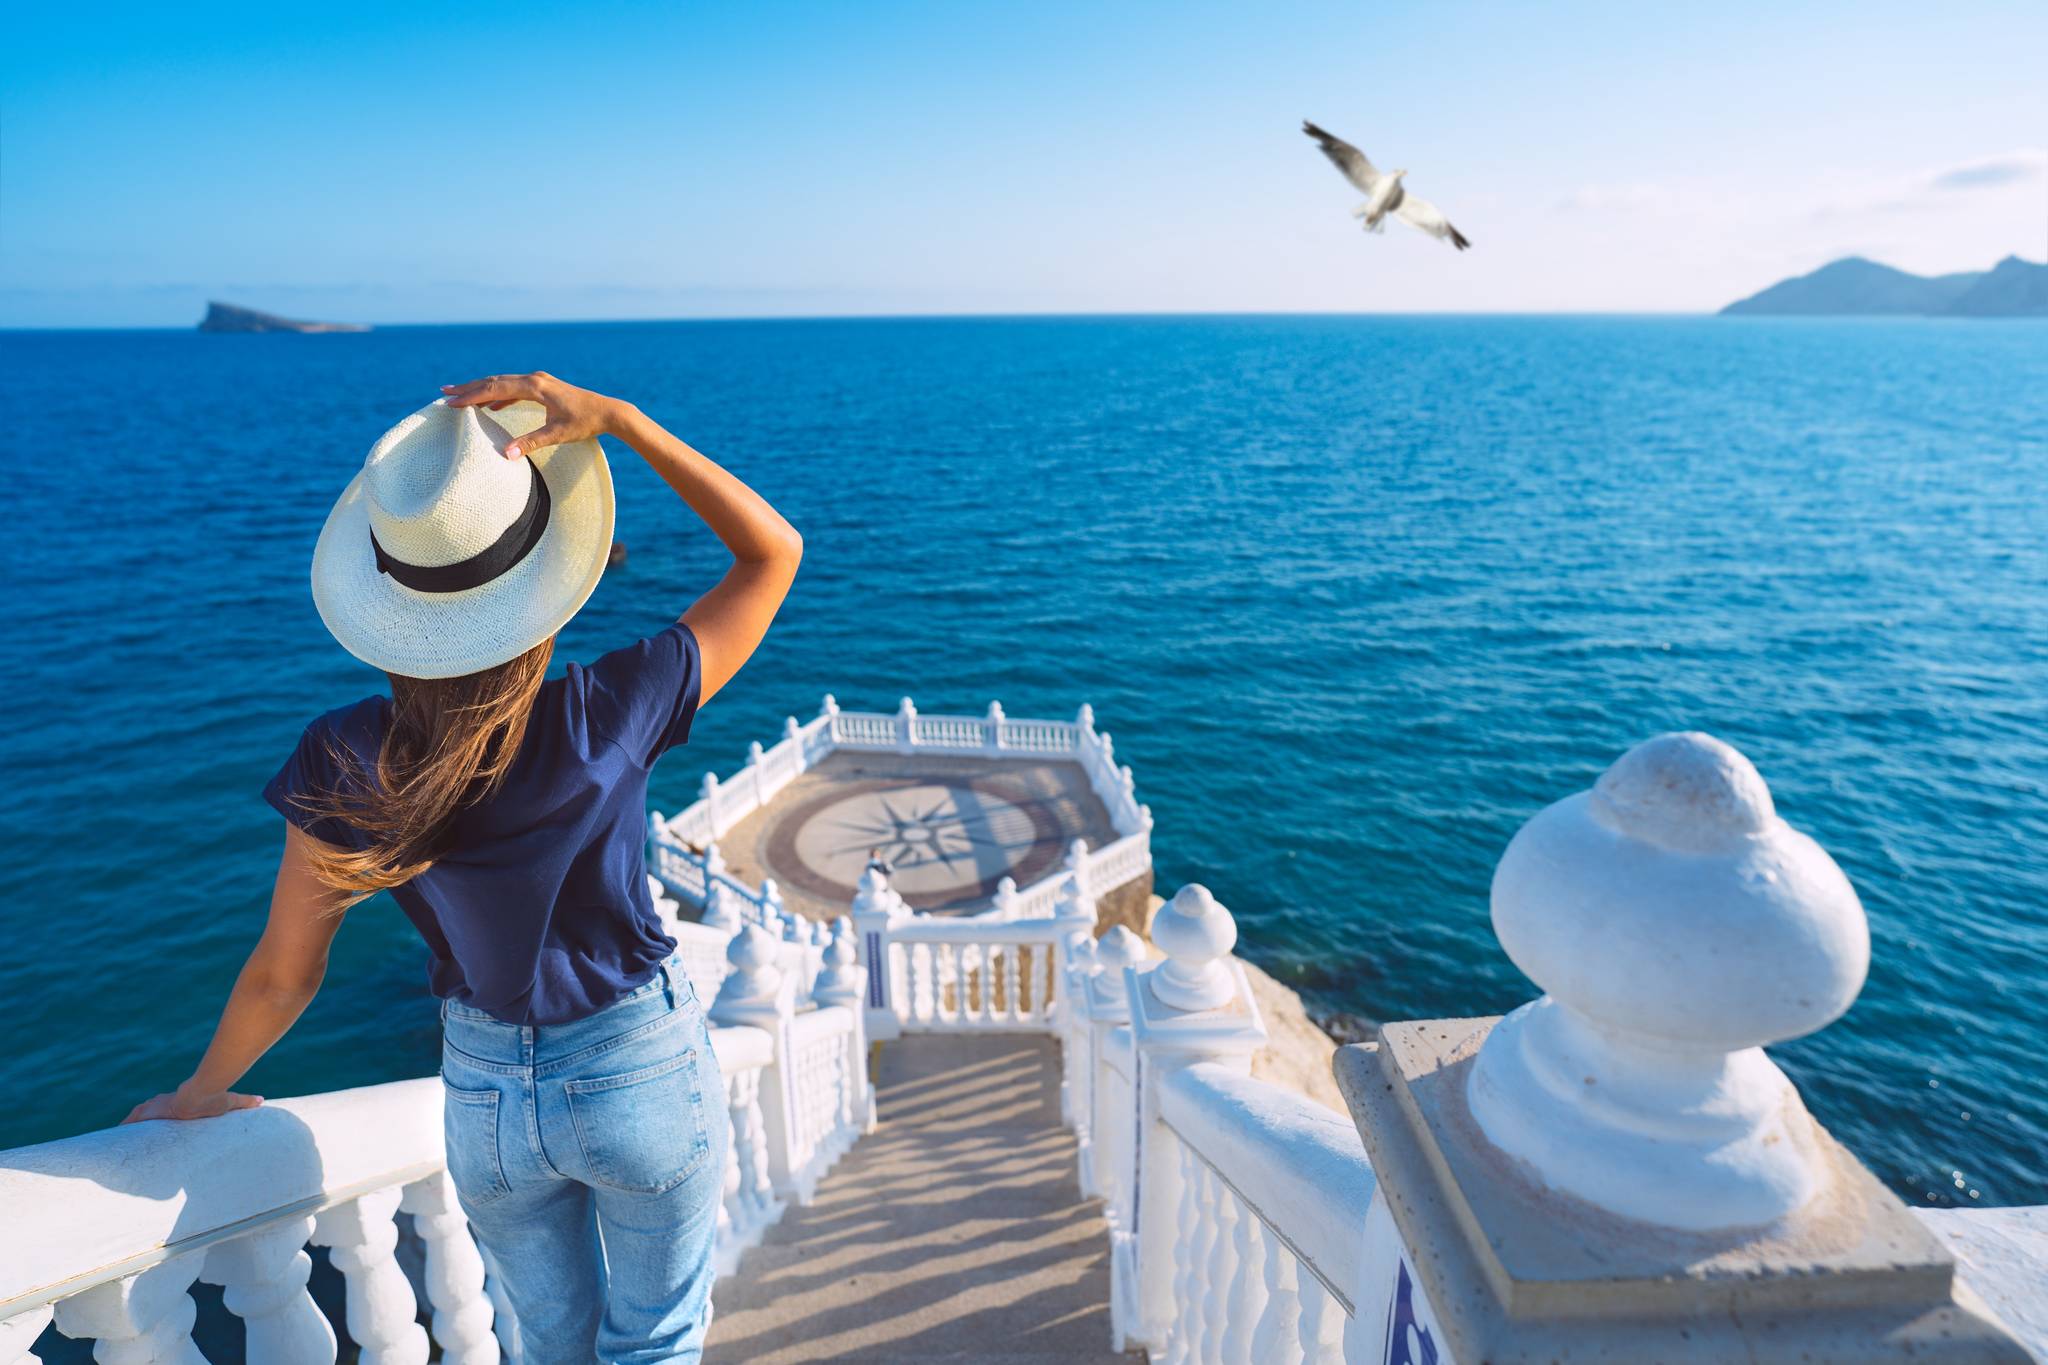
447, 388
512, 451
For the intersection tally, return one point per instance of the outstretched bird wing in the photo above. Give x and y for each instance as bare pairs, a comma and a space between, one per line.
1427, 216
1357, 167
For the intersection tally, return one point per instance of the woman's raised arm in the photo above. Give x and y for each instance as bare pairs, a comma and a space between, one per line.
730, 620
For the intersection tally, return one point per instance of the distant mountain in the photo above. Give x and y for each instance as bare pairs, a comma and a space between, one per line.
227, 317
1854, 287
2011, 289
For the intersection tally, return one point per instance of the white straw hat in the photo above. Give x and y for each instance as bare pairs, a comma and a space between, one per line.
444, 558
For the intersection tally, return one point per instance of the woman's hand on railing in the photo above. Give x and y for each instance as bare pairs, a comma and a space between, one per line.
573, 414
184, 1103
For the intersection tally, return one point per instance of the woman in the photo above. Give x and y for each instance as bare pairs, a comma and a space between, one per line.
585, 1116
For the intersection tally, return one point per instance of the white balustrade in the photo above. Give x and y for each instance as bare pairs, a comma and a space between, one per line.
751, 1205
679, 846
462, 1315
1246, 1223
1105, 1070
362, 1240
1194, 1006
263, 1277
107, 1232
977, 976
1292, 1185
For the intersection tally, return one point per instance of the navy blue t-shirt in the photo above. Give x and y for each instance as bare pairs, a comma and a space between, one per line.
539, 912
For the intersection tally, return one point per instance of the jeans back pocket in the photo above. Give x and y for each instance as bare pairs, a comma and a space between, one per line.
469, 1128
643, 1131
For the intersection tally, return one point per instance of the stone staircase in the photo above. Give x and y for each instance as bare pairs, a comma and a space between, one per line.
956, 1231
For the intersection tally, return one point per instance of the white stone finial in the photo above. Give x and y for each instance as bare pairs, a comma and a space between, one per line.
1676, 925
995, 712
1074, 903
714, 861
906, 708
1114, 951
718, 909
830, 706
1196, 934
1084, 719
790, 727
1081, 955
754, 978
754, 753
841, 977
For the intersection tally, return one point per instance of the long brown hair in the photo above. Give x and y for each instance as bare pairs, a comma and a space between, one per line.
449, 744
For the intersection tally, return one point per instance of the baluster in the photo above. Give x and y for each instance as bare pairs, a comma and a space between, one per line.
986, 955
923, 1007
1226, 1214
1321, 1330
381, 1307
1013, 1007
145, 1319
507, 1325
455, 1273
800, 1116
725, 1238
19, 1333
1247, 1294
264, 1278
1183, 1330
748, 1139
737, 1186
1274, 1338
1201, 1241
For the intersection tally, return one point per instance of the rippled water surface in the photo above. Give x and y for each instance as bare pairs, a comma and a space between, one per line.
1356, 596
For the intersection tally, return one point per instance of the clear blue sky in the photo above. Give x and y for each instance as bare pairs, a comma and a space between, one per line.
450, 162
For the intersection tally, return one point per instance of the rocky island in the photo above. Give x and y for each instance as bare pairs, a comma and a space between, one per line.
1855, 287
228, 317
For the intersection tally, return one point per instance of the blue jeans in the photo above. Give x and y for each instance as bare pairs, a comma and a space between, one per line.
590, 1158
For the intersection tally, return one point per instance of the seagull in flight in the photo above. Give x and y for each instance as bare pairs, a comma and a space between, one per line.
1383, 192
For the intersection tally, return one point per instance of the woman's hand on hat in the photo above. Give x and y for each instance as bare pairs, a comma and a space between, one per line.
184, 1103
573, 414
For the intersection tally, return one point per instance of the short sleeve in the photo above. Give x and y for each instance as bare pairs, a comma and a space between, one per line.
643, 697
312, 773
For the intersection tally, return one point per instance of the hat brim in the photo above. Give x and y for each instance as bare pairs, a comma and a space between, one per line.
446, 635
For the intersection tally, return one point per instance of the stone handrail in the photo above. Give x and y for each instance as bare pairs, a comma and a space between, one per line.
106, 1232
1279, 1187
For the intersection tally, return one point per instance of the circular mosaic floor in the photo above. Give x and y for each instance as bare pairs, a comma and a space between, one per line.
947, 840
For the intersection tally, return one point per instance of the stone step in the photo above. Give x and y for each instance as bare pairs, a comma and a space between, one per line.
955, 1232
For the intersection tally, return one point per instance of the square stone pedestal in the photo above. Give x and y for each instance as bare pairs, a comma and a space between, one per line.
1514, 1271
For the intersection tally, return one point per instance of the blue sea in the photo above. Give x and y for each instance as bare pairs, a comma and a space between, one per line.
1356, 596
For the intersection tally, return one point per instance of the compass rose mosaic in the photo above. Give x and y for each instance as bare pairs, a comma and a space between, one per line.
948, 841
